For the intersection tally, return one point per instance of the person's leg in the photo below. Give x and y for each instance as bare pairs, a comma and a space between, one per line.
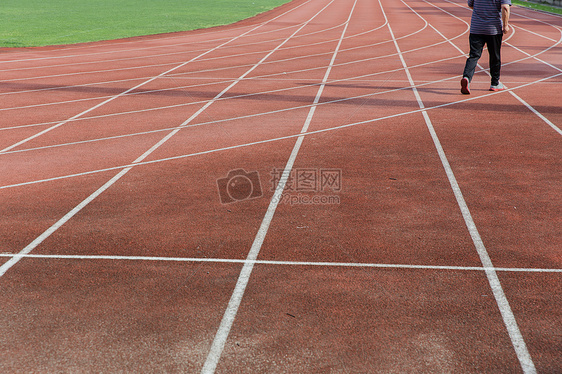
494, 43
476, 45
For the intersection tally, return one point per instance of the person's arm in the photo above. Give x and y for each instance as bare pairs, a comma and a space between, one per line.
505, 17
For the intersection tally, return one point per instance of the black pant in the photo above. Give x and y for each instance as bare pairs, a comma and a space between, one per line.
477, 42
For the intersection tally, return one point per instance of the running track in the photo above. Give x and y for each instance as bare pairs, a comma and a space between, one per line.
400, 226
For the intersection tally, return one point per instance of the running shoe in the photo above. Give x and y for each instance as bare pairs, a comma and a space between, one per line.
465, 86
497, 87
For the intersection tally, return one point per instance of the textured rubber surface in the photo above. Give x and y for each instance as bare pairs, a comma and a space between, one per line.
143, 228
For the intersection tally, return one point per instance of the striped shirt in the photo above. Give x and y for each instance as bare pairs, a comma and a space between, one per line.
486, 16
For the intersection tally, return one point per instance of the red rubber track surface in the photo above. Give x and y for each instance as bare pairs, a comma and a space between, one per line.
415, 229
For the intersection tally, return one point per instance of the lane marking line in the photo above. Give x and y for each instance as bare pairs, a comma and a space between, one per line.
272, 75
59, 124
231, 311
199, 50
138, 86
160, 38
527, 105
30, 247
238, 146
508, 317
202, 60
537, 113
282, 263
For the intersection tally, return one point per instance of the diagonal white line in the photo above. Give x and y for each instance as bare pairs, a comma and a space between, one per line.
111, 99
232, 309
344, 126
537, 113
510, 322
73, 118
527, 105
294, 71
159, 46
30, 247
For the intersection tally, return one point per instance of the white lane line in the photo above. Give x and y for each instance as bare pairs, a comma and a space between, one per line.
536, 112
244, 95
114, 51
185, 43
229, 316
149, 56
306, 45
160, 39
139, 85
160, 55
83, 73
260, 142
281, 263
230, 67
129, 50
510, 322
215, 81
532, 10
527, 105
119, 95
196, 51
30, 247
295, 71
172, 63
278, 61
231, 119
14, 260
535, 33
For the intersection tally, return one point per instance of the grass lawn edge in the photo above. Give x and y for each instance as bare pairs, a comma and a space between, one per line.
251, 19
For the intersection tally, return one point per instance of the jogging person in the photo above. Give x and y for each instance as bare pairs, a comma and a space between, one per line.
490, 20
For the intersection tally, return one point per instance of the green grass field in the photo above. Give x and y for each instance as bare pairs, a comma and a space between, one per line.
544, 7
26, 23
